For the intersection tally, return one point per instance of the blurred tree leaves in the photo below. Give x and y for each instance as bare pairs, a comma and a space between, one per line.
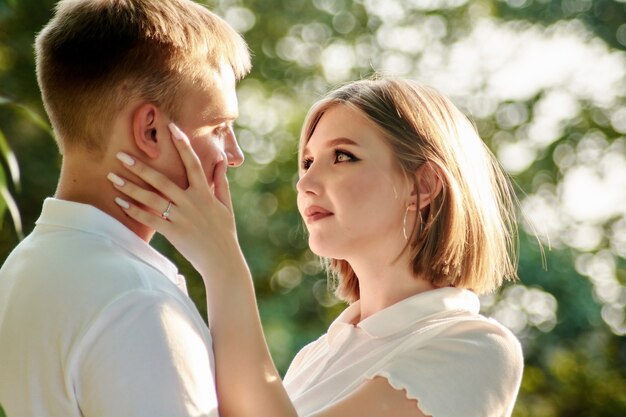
544, 80
9, 168
9, 173
604, 17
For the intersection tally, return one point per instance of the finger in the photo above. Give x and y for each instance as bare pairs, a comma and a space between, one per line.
145, 200
152, 177
221, 186
191, 162
148, 199
153, 221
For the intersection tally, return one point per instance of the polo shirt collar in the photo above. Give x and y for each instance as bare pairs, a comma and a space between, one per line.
89, 219
407, 312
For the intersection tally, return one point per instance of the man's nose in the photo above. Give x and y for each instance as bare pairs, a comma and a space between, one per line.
232, 150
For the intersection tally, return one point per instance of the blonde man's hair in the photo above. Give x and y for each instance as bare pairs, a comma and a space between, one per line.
466, 240
96, 55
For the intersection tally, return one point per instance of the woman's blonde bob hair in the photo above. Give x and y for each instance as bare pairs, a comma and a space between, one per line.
466, 237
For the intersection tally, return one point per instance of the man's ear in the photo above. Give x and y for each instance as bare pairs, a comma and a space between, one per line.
428, 184
149, 130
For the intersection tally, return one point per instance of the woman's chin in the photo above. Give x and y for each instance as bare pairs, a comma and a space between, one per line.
324, 250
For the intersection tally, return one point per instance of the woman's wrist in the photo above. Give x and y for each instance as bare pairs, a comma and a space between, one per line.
232, 267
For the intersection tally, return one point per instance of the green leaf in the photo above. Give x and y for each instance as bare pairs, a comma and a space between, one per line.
33, 117
2, 413
3, 182
11, 160
7, 202
27, 113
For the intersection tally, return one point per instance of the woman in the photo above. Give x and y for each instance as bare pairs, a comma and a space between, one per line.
414, 216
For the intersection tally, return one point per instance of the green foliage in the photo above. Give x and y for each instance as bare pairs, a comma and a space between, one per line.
6, 199
2, 414
554, 127
604, 17
9, 169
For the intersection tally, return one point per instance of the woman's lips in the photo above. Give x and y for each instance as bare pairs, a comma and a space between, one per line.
315, 213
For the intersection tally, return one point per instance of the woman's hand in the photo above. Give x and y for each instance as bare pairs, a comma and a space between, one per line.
198, 221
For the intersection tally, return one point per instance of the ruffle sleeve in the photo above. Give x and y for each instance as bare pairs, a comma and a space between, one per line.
473, 369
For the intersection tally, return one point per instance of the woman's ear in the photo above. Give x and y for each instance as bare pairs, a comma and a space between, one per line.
149, 130
428, 183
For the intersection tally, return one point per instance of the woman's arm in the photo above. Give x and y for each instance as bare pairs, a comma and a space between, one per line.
201, 226
375, 398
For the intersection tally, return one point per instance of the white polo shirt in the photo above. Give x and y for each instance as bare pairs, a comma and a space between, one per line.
434, 345
95, 322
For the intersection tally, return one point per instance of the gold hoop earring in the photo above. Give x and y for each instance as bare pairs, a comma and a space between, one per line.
419, 215
406, 213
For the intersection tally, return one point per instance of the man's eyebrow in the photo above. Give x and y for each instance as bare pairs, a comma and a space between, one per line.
216, 120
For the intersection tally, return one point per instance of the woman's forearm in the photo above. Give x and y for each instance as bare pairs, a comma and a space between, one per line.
248, 383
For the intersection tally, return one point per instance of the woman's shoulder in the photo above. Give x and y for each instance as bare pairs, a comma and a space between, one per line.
473, 359
469, 340
483, 332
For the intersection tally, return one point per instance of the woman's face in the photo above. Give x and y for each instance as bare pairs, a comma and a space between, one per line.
351, 193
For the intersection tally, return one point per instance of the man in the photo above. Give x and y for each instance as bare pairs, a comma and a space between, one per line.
93, 321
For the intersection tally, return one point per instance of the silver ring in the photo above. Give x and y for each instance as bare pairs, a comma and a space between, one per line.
166, 213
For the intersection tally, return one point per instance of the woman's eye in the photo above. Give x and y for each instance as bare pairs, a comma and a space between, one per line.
306, 164
342, 156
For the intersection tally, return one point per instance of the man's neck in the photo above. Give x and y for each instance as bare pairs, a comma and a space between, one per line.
83, 180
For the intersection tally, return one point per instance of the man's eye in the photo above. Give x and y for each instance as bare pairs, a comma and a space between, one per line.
220, 131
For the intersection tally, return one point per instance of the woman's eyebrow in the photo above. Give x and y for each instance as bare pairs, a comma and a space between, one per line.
341, 141
331, 143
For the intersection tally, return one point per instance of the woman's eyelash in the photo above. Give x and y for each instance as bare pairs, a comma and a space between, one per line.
340, 152
307, 162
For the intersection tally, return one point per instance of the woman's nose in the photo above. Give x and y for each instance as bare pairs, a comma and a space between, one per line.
308, 182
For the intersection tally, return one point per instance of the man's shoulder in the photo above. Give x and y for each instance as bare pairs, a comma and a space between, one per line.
83, 262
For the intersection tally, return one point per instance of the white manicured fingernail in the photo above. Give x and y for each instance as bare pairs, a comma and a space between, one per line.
115, 179
178, 134
125, 158
122, 203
